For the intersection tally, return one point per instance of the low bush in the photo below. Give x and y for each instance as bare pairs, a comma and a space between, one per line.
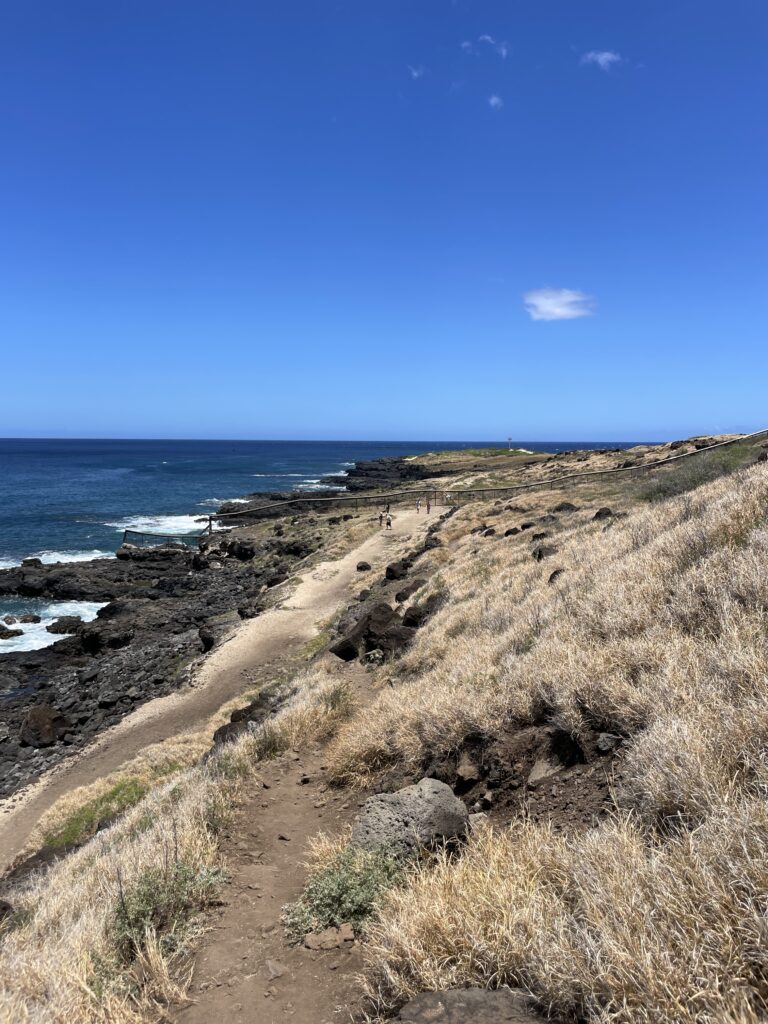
159, 903
344, 889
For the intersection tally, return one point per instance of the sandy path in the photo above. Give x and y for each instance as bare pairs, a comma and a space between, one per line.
279, 631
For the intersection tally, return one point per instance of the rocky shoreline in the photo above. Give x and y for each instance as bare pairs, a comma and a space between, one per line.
164, 609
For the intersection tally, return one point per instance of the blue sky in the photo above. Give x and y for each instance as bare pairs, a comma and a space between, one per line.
378, 219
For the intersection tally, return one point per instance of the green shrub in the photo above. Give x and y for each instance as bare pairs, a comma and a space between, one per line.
346, 889
160, 902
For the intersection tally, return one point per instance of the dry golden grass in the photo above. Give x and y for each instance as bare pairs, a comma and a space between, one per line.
59, 958
657, 630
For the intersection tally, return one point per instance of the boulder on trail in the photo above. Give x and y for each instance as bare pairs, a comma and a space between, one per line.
244, 719
417, 614
43, 726
379, 628
363, 566
469, 1006
397, 570
416, 816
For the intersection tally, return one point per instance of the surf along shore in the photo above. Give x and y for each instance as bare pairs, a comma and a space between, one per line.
317, 649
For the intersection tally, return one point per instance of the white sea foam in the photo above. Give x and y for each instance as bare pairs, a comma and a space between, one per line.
174, 525
223, 501
271, 475
51, 557
35, 635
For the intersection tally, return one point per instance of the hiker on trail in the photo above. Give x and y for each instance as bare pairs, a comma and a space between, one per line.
389, 521
428, 506
381, 519
387, 508
418, 505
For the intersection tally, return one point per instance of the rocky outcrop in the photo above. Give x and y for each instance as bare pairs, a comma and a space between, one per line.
379, 628
247, 718
66, 625
166, 607
417, 816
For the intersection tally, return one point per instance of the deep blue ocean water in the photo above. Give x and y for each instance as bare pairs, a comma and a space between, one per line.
71, 499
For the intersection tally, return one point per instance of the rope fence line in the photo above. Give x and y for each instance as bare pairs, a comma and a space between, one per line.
379, 497
438, 496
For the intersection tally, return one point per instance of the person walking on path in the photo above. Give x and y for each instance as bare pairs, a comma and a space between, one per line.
389, 521
428, 506
387, 508
381, 519
418, 505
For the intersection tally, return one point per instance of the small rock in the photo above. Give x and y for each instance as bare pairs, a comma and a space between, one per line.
274, 970
363, 566
607, 742
603, 513
542, 770
467, 770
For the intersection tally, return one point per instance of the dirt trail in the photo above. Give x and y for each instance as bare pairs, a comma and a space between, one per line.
245, 971
278, 632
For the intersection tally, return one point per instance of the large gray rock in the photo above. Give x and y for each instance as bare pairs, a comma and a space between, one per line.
419, 815
469, 1006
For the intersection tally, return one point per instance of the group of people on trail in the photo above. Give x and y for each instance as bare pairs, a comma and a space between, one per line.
386, 519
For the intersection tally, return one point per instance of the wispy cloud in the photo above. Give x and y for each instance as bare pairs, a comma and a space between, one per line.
417, 72
557, 304
603, 59
500, 47
495, 102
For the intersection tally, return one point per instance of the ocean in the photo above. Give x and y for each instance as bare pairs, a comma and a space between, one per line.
69, 500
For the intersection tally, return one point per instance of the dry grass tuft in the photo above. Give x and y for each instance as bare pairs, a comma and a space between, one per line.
658, 630
104, 936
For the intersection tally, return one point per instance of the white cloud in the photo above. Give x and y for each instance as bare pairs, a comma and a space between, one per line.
467, 47
501, 48
495, 102
417, 72
557, 304
604, 59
